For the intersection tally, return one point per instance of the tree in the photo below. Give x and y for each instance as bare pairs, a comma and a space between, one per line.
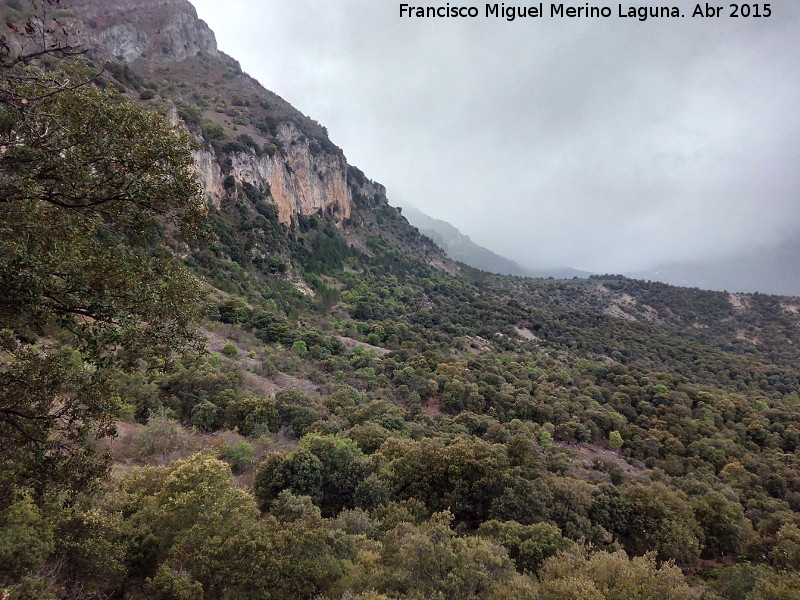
269, 560
186, 516
250, 411
90, 185
524, 501
299, 472
661, 520
180, 511
605, 576
25, 539
205, 415
781, 586
430, 561
343, 468
89, 180
528, 545
785, 555
736, 582
170, 585
465, 476
725, 528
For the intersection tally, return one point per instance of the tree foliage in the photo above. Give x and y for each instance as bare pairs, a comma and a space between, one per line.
90, 185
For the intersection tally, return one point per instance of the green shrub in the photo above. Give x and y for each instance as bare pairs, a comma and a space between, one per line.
213, 131
238, 454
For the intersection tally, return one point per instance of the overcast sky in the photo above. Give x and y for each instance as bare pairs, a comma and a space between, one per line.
608, 145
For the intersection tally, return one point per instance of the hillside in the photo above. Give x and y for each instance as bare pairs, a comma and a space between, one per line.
296, 394
461, 248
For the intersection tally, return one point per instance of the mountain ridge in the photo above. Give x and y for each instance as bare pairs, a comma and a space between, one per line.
274, 148
461, 248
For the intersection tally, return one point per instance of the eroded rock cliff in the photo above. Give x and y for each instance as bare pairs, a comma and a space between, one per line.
300, 180
160, 30
154, 42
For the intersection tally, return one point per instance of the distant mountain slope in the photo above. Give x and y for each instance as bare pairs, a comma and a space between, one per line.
771, 270
257, 154
461, 248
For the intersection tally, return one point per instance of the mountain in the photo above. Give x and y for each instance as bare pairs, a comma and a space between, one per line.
771, 270
266, 143
461, 248
149, 46
254, 147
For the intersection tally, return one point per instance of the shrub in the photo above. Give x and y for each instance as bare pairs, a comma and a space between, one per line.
213, 131
205, 415
160, 437
238, 454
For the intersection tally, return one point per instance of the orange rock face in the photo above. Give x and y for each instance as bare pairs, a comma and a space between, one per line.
302, 182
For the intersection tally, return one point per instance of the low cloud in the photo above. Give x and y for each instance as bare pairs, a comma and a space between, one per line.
601, 144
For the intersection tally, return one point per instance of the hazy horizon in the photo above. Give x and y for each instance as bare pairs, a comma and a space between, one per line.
609, 145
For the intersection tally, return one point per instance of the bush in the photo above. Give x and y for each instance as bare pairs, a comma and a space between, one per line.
168, 584
528, 545
160, 437
26, 539
205, 415
213, 131
238, 454
251, 411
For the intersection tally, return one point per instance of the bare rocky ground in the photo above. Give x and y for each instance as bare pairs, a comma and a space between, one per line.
350, 343
586, 453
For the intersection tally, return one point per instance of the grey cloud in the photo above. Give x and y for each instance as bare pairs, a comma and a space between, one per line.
606, 145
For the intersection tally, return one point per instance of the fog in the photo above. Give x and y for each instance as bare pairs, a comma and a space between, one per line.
609, 145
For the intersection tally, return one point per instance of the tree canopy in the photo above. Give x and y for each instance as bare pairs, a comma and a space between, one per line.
89, 185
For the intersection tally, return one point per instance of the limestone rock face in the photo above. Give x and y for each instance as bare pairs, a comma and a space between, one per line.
183, 35
125, 42
301, 181
163, 39
210, 175
162, 30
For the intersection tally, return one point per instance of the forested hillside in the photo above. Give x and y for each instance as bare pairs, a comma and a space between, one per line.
230, 369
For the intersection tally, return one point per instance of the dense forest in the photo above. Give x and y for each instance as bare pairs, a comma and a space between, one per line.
199, 400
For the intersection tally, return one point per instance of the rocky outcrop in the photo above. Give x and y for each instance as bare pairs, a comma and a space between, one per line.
183, 35
210, 175
161, 30
301, 181
124, 42
291, 157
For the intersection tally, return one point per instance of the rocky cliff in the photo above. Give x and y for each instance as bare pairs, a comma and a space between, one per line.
299, 181
161, 50
160, 30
